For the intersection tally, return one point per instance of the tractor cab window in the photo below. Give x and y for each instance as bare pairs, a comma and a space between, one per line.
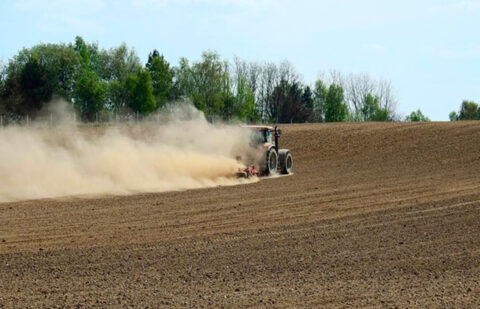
268, 136
257, 138
261, 137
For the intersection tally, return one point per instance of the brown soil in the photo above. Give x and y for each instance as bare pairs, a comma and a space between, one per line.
375, 215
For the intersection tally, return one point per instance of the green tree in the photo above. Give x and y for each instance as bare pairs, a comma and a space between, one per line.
115, 66
371, 109
140, 89
209, 86
90, 95
250, 110
161, 76
82, 49
36, 86
182, 86
335, 108
242, 103
60, 62
277, 101
468, 111
417, 116
36, 74
28, 85
319, 97
453, 116
307, 101
121, 62
288, 103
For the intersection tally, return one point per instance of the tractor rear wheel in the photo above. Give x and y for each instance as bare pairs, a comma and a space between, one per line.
271, 163
286, 161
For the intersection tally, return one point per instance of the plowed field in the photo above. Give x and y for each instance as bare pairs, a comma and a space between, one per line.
383, 215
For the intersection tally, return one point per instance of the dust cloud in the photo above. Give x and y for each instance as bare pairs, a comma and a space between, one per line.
179, 150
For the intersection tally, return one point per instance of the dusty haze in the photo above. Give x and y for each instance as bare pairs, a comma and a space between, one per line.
184, 152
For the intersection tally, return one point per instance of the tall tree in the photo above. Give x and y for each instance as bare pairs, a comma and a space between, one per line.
371, 110
278, 83
468, 111
268, 81
82, 49
335, 108
288, 103
120, 62
279, 97
90, 94
254, 72
210, 80
307, 102
358, 86
35, 75
388, 99
141, 99
36, 85
319, 98
182, 86
161, 76
243, 105
115, 66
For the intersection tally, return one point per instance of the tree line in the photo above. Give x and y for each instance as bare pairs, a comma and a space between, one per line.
469, 110
105, 82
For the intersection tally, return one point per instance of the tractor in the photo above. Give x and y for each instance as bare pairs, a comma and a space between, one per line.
273, 160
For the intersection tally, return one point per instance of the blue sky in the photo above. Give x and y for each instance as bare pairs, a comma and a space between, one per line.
429, 49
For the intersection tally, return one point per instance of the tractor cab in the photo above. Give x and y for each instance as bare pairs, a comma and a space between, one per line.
264, 135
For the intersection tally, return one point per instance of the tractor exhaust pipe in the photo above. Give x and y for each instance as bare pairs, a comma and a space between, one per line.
277, 134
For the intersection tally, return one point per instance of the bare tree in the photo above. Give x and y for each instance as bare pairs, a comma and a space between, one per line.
254, 72
336, 78
239, 74
268, 82
240, 85
388, 99
287, 72
356, 89
358, 86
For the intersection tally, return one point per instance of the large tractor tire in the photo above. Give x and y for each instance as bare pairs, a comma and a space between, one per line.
271, 163
285, 160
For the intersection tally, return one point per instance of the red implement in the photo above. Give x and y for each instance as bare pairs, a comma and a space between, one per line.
248, 172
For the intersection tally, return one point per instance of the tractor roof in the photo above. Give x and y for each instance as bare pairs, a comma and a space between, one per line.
259, 127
